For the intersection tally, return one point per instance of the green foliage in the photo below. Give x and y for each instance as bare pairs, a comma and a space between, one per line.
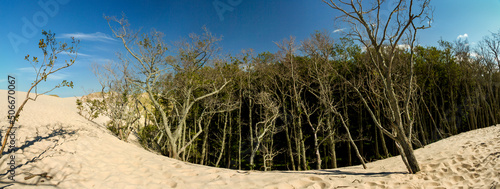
148, 137
79, 106
111, 125
90, 108
451, 95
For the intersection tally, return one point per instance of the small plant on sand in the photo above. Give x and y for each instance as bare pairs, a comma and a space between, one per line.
43, 69
79, 106
124, 110
90, 108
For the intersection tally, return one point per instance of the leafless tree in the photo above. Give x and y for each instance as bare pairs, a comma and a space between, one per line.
266, 128
286, 55
123, 104
319, 48
489, 49
382, 36
151, 63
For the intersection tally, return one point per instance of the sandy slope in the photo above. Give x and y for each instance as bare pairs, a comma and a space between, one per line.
76, 153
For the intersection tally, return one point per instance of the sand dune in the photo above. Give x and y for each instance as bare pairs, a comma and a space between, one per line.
57, 148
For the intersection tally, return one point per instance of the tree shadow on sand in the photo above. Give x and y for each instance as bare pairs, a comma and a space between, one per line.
57, 136
349, 173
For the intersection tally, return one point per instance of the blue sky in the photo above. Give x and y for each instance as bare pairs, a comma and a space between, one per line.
255, 24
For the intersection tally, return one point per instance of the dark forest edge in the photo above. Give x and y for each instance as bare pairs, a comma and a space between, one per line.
314, 104
275, 103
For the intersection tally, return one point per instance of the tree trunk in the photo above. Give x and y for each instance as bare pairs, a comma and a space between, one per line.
333, 153
407, 153
384, 145
252, 154
302, 147
344, 123
228, 158
223, 145
239, 132
204, 145
349, 152
377, 151
297, 146
289, 143
183, 142
316, 149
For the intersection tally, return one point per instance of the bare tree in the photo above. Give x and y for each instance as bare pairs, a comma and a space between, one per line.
121, 102
223, 103
286, 55
319, 48
265, 129
382, 36
151, 63
488, 53
489, 50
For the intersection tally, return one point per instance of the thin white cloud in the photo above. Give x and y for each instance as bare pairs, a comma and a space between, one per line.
54, 76
98, 61
338, 30
79, 54
26, 70
57, 76
404, 46
97, 36
103, 60
463, 36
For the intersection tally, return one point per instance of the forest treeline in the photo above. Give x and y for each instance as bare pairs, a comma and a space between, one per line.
314, 104
296, 109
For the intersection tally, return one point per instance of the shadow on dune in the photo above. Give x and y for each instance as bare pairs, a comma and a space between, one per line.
55, 133
349, 173
57, 136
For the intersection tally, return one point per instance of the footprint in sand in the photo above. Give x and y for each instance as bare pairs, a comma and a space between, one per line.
484, 145
315, 179
187, 173
460, 158
280, 186
432, 184
474, 176
318, 185
171, 184
309, 182
218, 183
467, 166
458, 178
440, 187
167, 175
434, 166
209, 177
432, 177
373, 185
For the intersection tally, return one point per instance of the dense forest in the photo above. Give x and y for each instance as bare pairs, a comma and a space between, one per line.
319, 103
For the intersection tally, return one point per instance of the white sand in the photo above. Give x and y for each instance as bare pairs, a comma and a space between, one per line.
76, 153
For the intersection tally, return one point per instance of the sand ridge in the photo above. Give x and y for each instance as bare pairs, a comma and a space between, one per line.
57, 148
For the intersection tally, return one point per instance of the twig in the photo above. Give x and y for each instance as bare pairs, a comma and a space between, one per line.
43, 175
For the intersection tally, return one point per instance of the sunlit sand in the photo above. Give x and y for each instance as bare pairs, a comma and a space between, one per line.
57, 148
